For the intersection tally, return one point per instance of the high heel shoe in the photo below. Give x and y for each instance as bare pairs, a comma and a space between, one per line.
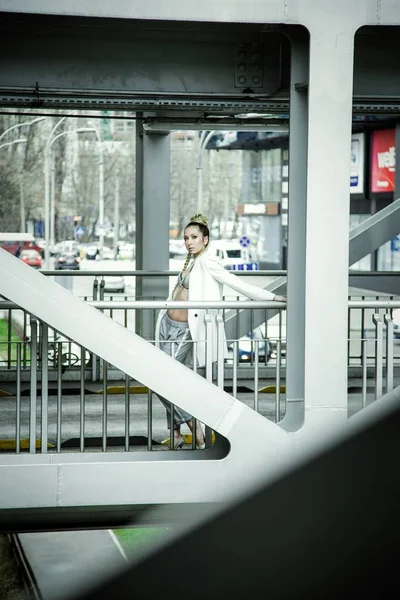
178, 444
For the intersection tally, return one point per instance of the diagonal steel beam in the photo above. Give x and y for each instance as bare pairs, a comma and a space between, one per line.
111, 479
374, 232
363, 240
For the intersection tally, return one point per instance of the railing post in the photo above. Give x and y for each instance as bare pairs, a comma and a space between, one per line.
378, 355
364, 357
389, 352
33, 394
256, 370
220, 351
127, 411
278, 381
82, 402
44, 386
58, 351
235, 348
9, 338
18, 402
105, 398
209, 370
95, 361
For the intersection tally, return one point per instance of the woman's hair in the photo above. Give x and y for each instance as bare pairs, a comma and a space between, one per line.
202, 223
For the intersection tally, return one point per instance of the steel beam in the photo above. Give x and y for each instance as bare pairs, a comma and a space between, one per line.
375, 231
326, 524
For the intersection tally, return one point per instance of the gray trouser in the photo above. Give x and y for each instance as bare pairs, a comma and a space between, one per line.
175, 340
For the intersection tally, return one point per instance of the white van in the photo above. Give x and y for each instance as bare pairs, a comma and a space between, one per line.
233, 256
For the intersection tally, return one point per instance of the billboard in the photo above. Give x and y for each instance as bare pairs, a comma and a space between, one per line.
383, 160
357, 163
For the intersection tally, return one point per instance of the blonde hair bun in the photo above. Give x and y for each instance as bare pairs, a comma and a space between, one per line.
199, 218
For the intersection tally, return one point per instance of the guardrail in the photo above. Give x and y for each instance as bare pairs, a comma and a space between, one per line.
46, 361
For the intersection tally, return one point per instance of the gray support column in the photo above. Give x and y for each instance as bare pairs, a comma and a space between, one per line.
296, 282
152, 219
327, 221
396, 193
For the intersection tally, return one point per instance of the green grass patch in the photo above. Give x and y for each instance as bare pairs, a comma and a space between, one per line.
7, 346
136, 539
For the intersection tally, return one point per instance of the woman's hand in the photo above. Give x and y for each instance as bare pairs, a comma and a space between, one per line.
280, 298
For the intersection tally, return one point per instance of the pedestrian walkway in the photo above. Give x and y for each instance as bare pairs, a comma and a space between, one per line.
64, 563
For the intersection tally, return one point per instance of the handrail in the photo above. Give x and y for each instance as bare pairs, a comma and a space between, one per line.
155, 304
374, 303
77, 273
259, 273
224, 304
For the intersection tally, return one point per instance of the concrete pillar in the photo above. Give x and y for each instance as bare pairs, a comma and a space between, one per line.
327, 222
152, 220
296, 282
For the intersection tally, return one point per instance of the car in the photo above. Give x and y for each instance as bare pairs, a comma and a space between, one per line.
16, 242
126, 251
247, 349
32, 258
107, 253
114, 283
69, 259
233, 256
91, 252
68, 246
396, 323
177, 249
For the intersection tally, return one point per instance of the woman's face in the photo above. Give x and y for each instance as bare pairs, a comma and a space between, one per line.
194, 240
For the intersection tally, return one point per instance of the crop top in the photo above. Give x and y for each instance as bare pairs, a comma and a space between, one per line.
184, 279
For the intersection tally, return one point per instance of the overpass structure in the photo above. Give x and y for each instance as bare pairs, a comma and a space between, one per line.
307, 63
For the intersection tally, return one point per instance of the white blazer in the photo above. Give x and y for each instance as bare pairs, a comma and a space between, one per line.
207, 279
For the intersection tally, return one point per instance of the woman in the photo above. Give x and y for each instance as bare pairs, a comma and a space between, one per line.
202, 278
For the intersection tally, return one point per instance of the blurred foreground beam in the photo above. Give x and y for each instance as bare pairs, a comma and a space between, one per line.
327, 526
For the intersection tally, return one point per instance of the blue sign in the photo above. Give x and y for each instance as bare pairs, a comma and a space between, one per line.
395, 244
245, 267
244, 241
80, 230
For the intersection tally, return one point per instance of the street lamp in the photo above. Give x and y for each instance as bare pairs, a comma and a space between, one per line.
21, 179
24, 124
204, 138
47, 189
101, 188
50, 239
19, 141
21, 183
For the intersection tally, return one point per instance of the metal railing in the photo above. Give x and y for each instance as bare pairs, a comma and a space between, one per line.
51, 365
45, 361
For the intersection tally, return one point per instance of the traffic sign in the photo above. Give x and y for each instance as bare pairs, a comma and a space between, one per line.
244, 241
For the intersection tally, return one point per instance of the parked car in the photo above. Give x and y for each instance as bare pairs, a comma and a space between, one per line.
177, 249
396, 323
126, 251
16, 242
107, 253
32, 258
233, 256
91, 252
114, 283
247, 349
69, 259
69, 245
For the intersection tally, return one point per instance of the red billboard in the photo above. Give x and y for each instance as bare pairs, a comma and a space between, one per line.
383, 163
